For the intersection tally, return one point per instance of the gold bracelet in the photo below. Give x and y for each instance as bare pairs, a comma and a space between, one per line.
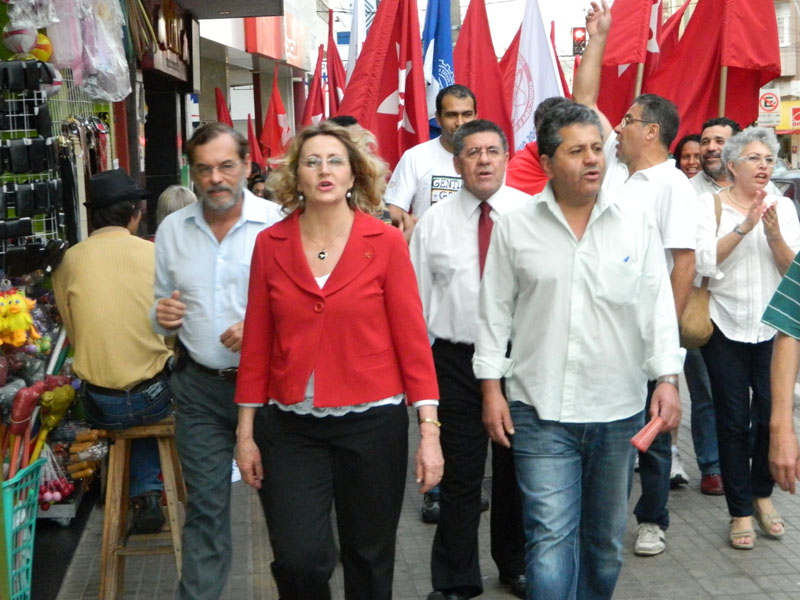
430, 420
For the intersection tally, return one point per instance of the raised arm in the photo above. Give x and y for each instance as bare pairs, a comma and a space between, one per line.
586, 85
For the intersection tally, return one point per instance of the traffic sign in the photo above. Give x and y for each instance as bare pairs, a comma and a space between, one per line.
769, 110
769, 102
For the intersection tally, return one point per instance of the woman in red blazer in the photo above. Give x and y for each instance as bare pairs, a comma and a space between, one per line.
334, 342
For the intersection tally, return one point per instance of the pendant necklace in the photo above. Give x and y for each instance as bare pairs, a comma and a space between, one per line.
323, 252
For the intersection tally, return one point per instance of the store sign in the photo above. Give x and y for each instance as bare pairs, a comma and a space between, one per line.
795, 117
279, 38
172, 56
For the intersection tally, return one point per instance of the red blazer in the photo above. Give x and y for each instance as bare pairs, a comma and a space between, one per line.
363, 334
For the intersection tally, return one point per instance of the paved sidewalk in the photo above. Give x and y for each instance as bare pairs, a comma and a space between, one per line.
698, 563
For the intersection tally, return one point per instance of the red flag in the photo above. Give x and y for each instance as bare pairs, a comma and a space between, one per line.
336, 73
635, 28
252, 141
751, 52
475, 66
564, 84
508, 69
315, 103
223, 116
276, 134
386, 92
749, 48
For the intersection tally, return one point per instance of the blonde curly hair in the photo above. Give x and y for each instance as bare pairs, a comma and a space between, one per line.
369, 171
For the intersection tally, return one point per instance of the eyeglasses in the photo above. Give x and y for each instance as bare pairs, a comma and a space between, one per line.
758, 159
628, 119
476, 152
315, 162
226, 168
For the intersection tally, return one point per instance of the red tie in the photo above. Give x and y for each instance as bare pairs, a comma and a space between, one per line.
485, 224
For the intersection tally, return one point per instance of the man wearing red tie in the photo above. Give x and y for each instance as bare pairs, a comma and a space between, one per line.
448, 249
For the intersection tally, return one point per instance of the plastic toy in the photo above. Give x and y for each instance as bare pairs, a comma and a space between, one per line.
19, 37
18, 322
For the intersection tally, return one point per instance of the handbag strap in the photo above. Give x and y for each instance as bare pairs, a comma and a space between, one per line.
718, 215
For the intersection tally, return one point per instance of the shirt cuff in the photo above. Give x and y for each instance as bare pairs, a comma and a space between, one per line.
488, 367
249, 405
668, 363
420, 403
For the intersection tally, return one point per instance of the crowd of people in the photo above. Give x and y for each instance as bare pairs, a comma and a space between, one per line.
528, 306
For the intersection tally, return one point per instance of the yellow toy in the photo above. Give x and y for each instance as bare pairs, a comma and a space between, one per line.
18, 325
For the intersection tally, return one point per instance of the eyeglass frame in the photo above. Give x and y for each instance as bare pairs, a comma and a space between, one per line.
627, 120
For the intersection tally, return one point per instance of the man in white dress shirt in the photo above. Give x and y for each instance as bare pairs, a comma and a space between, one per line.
640, 171
577, 282
447, 249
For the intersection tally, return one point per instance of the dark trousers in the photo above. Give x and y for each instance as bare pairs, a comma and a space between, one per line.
454, 558
734, 369
356, 462
654, 468
206, 421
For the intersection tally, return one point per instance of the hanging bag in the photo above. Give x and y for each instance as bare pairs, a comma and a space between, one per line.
695, 322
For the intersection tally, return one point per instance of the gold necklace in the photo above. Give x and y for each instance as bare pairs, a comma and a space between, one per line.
730, 195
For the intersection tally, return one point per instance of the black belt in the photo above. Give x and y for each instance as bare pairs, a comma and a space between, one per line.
228, 375
97, 389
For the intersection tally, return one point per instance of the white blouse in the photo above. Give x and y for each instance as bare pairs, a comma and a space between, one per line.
742, 285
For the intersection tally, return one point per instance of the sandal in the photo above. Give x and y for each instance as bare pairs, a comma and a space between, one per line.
735, 536
766, 522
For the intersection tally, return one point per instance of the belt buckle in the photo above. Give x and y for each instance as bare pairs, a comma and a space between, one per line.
228, 374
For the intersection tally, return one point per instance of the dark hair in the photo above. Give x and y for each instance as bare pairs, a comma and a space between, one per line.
723, 121
344, 120
544, 106
563, 115
692, 137
211, 131
476, 126
457, 91
663, 113
255, 180
118, 214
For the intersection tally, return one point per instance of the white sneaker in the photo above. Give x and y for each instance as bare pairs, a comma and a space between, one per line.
677, 476
650, 540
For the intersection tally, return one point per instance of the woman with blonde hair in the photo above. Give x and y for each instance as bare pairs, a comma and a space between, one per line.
334, 341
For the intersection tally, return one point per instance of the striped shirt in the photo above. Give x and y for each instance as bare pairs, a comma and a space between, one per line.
783, 311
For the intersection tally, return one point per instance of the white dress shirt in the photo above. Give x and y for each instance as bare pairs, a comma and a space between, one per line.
590, 320
664, 190
743, 284
212, 276
444, 252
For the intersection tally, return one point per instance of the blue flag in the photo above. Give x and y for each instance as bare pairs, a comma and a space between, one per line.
437, 51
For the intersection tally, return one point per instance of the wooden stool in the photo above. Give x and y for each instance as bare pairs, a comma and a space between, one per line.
115, 546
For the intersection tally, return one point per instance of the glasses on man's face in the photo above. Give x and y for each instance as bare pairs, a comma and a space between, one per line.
476, 152
628, 119
758, 159
226, 169
315, 162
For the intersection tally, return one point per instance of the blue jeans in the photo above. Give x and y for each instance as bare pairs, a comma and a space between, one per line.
654, 470
575, 480
704, 424
149, 405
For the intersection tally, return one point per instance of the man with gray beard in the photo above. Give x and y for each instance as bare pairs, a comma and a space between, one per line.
202, 272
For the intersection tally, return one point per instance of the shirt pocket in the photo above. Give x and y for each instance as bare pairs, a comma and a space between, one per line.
618, 281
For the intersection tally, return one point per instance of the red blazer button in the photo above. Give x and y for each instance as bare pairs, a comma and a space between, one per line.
319, 306
368, 253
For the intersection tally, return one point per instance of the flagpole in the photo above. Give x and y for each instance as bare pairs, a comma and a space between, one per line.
639, 78
723, 85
